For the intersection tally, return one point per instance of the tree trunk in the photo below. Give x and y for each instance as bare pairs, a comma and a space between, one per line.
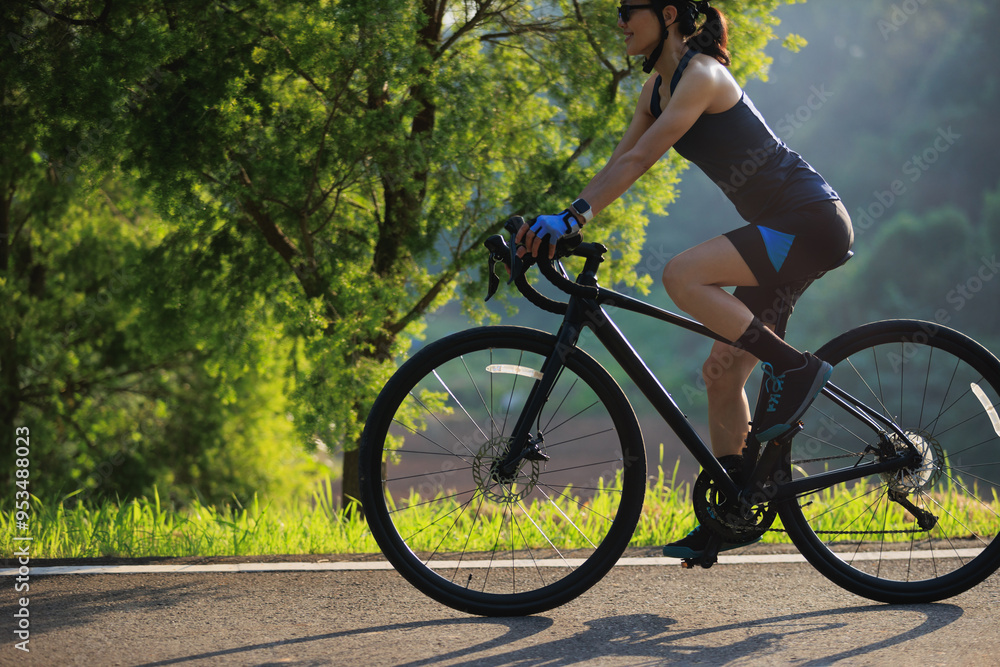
10, 396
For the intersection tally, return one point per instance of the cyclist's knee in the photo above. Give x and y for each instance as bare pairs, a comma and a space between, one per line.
676, 280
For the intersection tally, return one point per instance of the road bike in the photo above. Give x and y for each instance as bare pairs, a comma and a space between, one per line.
503, 469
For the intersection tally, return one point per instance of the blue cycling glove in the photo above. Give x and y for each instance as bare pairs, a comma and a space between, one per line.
555, 227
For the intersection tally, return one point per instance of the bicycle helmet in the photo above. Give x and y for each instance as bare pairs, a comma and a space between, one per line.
688, 11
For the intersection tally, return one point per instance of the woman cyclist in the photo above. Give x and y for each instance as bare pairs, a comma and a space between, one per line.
797, 224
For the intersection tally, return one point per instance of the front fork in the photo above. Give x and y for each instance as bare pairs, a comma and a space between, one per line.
525, 446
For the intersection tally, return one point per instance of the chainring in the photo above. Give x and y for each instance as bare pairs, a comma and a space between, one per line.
727, 519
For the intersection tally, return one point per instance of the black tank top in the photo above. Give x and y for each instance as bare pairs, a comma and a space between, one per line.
756, 170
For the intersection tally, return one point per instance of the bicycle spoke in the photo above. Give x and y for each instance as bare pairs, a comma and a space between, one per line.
455, 398
444, 450
548, 425
419, 475
443, 425
902, 531
493, 425
579, 438
491, 529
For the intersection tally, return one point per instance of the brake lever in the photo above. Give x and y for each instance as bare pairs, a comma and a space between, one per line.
517, 265
494, 278
503, 252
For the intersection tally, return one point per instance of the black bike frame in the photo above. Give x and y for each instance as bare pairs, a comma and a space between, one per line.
582, 312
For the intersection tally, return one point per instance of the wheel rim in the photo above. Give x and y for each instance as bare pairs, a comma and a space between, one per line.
933, 520
464, 528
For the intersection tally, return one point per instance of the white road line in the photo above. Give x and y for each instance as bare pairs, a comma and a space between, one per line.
444, 565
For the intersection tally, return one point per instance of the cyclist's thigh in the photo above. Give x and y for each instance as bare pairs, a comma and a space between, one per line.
795, 246
786, 251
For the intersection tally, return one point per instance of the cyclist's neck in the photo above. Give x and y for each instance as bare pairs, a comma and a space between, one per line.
673, 53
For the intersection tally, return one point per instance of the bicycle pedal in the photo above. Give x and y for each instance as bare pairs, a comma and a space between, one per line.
704, 563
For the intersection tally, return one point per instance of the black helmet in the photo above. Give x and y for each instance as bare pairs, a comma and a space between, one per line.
688, 11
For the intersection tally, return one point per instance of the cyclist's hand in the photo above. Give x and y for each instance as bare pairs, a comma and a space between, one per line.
548, 228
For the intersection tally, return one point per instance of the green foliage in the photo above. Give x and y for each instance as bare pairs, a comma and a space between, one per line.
151, 526
315, 180
898, 255
124, 383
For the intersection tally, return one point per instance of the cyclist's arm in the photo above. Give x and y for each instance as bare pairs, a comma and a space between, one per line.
648, 139
642, 120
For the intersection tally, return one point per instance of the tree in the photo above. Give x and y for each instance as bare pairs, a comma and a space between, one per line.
121, 384
370, 147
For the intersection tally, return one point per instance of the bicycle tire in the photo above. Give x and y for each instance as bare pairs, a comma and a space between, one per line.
448, 526
941, 388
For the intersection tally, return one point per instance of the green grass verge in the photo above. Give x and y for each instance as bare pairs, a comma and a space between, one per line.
144, 527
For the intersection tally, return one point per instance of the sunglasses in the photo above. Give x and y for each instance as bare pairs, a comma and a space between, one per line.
625, 11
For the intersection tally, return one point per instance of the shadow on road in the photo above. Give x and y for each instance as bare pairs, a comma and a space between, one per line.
517, 629
648, 636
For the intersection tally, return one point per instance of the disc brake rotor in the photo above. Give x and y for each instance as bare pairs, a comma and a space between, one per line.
925, 473
497, 487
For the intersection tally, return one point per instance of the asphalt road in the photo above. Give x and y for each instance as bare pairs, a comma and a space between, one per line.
732, 614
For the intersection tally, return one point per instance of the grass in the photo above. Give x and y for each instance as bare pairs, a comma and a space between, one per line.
144, 527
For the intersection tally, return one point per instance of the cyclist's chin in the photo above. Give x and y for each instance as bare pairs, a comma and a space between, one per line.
634, 51
634, 48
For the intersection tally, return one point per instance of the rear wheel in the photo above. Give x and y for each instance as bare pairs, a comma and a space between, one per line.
475, 539
919, 534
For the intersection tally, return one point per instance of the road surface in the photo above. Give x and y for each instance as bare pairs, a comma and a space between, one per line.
770, 614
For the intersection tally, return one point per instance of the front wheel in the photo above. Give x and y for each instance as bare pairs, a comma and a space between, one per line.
465, 534
926, 532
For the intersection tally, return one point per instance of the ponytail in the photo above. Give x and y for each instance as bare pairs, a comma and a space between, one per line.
712, 38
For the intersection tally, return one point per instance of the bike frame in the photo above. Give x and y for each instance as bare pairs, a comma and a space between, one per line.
581, 312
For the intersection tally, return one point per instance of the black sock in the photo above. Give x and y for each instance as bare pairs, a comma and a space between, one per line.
764, 344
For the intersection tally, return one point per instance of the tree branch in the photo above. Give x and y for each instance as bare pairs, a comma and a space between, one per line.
267, 32
590, 38
81, 22
314, 181
540, 28
467, 27
444, 279
271, 232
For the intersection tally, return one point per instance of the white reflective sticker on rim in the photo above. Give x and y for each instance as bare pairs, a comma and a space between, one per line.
510, 369
990, 409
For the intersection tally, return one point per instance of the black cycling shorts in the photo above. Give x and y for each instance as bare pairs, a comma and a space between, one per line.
786, 252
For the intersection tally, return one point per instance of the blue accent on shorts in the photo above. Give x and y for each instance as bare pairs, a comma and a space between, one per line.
778, 244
